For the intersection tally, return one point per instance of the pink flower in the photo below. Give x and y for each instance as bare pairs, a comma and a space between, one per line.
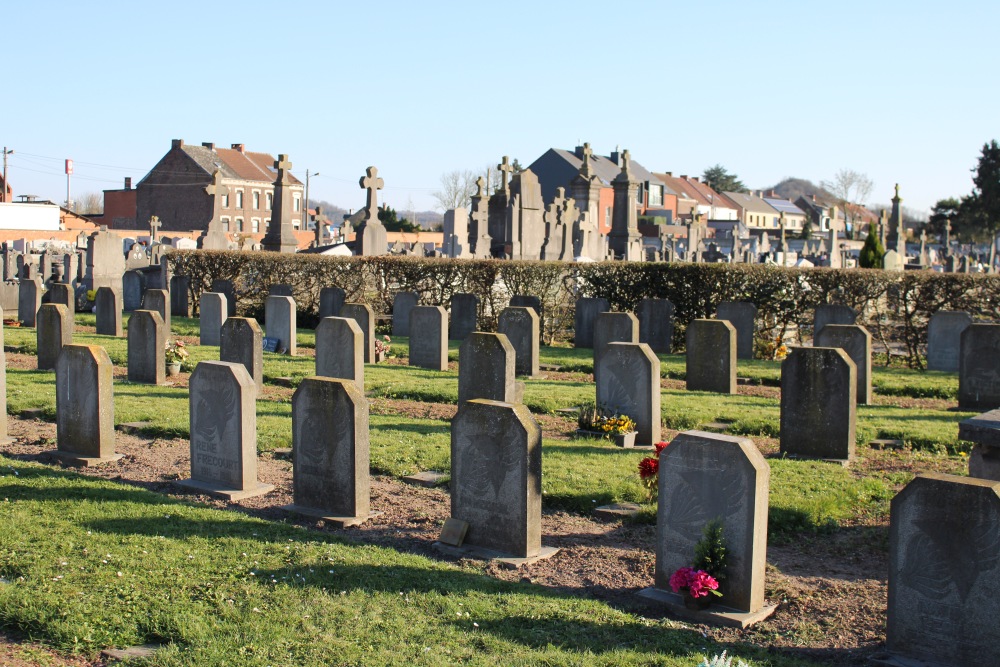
698, 582
681, 579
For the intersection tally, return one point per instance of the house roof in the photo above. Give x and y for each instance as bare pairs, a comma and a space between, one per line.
679, 188
784, 206
607, 169
233, 163
750, 202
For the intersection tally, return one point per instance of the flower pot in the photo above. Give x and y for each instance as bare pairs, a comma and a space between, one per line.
626, 440
174, 369
692, 602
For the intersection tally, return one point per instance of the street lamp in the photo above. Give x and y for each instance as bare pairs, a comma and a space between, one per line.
306, 217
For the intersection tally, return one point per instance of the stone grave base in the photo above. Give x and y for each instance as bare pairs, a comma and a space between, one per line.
845, 463
508, 561
337, 521
122, 654
713, 615
890, 660
80, 461
132, 428
229, 494
617, 511
984, 462
427, 478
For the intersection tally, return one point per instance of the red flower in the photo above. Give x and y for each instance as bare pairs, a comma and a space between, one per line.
660, 446
649, 467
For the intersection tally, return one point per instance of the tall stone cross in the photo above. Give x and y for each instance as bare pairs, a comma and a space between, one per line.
585, 166
781, 219
154, 225
283, 165
373, 184
947, 236
627, 163
480, 187
883, 226
506, 169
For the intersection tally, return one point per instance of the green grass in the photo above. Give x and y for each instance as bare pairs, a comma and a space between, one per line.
221, 588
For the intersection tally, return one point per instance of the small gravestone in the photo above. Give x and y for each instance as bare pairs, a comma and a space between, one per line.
520, 326
630, 385
428, 331
330, 451
331, 299
705, 477
711, 356
280, 322
63, 294
944, 572
984, 431
464, 311
827, 313
613, 328
587, 309
281, 290
29, 300
818, 397
892, 261
944, 339
656, 324
402, 304
743, 316
180, 306
4, 435
242, 342
212, 314
158, 300
226, 287
363, 314
979, 367
54, 329
223, 432
85, 408
527, 301
496, 477
108, 312
486, 368
133, 284
147, 340
857, 343
339, 350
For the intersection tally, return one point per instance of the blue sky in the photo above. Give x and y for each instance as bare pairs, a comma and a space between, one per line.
902, 91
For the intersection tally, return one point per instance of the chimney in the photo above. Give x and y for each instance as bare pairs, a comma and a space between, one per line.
240, 147
696, 180
128, 182
773, 194
578, 152
814, 197
177, 143
616, 156
684, 177
670, 174
209, 145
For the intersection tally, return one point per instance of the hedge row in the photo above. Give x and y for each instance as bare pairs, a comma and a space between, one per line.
894, 306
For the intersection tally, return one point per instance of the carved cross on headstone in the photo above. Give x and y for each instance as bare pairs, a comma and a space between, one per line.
627, 163
506, 169
372, 183
585, 165
480, 187
154, 225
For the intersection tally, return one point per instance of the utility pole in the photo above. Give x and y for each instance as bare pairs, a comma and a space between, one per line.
3, 193
69, 172
305, 217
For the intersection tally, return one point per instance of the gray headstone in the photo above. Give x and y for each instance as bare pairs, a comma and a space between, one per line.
280, 321
147, 339
944, 339
832, 314
527, 301
180, 305
4, 435
818, 397
520, 325
105, 261
464, 314
133, 285
629, 384
54, 329
428, 331
944, 588
857, 343
281, 290
226, 287
363, 314
62, 293
331, 299
743, 316
892, 261
85, 408
330, 449
486, 368
109, 312
656, 324
402, 304
158, 300
711, 356
587, 309
224, 431
705, 476
340, 350
243, 343
979, 367
496, 476
213, 311
29, 300
613, 328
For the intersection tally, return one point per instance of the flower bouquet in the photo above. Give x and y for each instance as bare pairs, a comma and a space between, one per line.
175, 353
649, 471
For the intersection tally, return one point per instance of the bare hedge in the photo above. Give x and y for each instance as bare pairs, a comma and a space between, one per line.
895, 307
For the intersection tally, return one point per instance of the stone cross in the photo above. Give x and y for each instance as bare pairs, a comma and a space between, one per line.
947, 236
585, 167
506, 168
373, 184
627, 163
154, 225
282, 164
480, 187
883, 226
213, 188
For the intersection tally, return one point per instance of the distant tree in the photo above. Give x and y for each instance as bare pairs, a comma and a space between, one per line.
457, 188
807, 229
91, 203
945, 209
849, 188
872, 252
517, 166
721, 180
983, 206
393, 223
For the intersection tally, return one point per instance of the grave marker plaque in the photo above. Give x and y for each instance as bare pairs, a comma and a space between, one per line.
630, 385
428, 331
818, 403
711, 356
339, 350
85, 408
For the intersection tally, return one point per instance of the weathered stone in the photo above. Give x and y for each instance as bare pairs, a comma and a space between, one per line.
63, 294
133, 286
242, 342
331, 299
711, 356
54, 329
340, 350
281, 290
4, 435
496, 476
656, 324
212, 314
224, 431
280, 322
463, 318
527, 301
827, 313
587, 309
520, 326
180, 304
363, 314
629, 384
979, 367
85, 409
944, 339
105, 261
158, 300
226, 287
29, 300
109, 312
486, 368
402, 304
857, 343
743, 316
147, 340
818, 397
330, 449
944, 584
613, 328
428, 332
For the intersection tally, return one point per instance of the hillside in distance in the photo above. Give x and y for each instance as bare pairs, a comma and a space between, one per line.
793, 188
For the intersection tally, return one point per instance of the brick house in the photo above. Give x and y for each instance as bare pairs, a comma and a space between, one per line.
119, 208
177, 190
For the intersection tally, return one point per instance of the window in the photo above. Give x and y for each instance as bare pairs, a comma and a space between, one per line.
225, 224
607, 215
239, 224
269, 200
239, 199
656, 195
267, 224
298, 204
225, 201
256, 200
255, 225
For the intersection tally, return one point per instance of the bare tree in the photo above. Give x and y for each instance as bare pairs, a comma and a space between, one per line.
457, 187
851, 189
91, 203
